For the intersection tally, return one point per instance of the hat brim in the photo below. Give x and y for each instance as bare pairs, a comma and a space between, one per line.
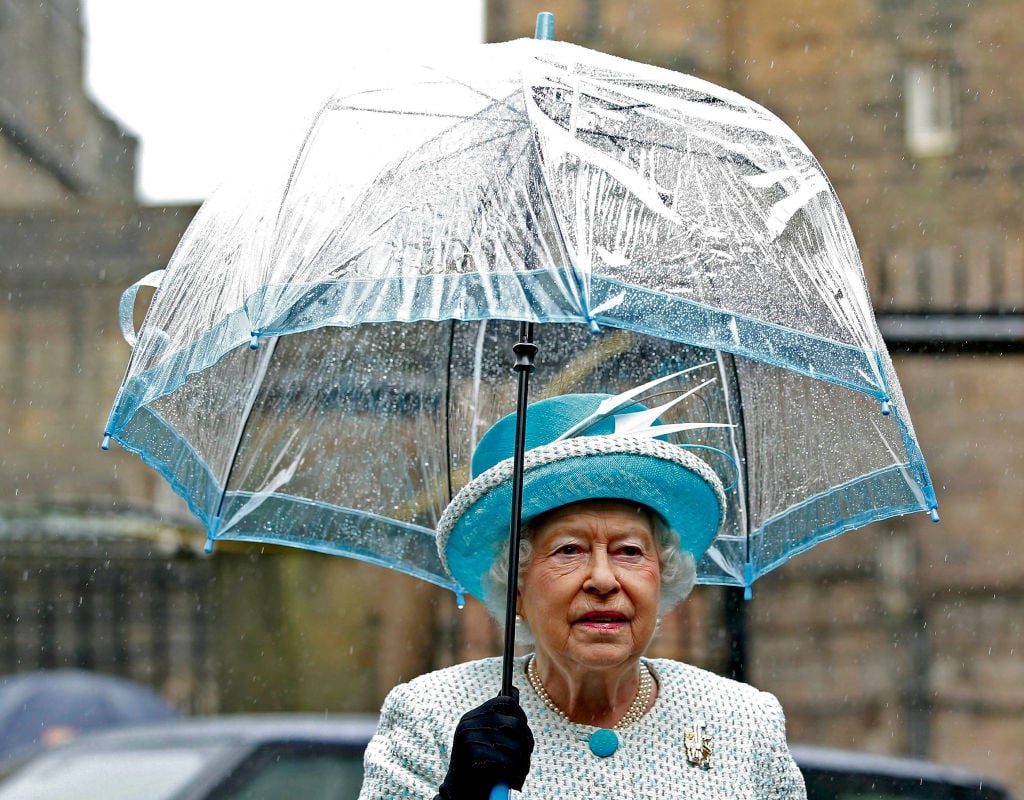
673, 482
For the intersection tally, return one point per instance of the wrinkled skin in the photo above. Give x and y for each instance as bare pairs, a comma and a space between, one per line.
590, 595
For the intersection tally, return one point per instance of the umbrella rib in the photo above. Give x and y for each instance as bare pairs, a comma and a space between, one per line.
473, 146
511, 165
448, 409
522, 120
733, 158
494, 102
446, 80
503, 101
291, 179
548, 200
339, 231
302, 152
508, 134
741, 472
434, 115
250, 404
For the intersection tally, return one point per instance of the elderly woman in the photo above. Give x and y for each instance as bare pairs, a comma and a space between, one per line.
614, 525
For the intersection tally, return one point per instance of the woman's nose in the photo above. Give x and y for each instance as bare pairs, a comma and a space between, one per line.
602, 578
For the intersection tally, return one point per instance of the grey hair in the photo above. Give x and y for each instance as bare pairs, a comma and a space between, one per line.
678, 570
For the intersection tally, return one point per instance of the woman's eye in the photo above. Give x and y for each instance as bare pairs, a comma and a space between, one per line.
568, 549
631, 551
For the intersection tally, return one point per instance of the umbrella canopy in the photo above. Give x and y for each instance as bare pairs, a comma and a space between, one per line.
331, 338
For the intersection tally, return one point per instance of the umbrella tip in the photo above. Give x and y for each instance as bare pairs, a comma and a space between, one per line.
545, 26
886, 408
208, 548
105, 444
934, 513
254, 340
460, 597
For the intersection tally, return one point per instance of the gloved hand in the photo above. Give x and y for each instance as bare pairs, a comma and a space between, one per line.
492, 745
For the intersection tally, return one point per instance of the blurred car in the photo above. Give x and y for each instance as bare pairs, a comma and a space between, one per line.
849, 775
244, 757
320, 757
46, 707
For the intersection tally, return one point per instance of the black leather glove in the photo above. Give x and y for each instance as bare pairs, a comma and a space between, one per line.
492, 745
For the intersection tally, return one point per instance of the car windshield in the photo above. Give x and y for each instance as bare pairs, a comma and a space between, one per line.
144, 774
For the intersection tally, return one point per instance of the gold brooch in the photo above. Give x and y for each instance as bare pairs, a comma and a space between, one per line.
698, 745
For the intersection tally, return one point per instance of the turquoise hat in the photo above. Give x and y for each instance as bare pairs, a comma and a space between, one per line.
598, 463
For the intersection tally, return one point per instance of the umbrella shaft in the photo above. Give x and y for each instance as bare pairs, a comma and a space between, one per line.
525, 350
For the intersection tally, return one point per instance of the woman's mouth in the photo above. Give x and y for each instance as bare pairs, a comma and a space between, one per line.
603, 620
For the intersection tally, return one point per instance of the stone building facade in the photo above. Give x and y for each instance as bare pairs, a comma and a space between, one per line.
904, 637
57, 146
84, 557
101, 564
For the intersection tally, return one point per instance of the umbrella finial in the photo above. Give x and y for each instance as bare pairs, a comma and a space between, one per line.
545, 26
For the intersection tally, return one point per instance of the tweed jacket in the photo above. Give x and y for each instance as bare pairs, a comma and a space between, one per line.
744, 730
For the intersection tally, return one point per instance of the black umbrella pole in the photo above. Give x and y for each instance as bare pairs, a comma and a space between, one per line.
525, 351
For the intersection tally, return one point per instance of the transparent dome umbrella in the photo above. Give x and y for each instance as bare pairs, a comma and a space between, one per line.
332, 336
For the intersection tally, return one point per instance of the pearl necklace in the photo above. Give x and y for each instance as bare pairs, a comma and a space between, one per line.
604, 741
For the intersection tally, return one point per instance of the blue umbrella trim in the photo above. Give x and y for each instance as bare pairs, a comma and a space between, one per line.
540, 296
182, 468
827, 515
537, 296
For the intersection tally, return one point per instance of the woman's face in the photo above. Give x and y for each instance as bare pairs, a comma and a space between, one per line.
591, 588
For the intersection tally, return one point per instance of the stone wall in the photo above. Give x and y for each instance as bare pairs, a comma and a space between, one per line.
905, 637
62, 355
56, 144
264, 629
